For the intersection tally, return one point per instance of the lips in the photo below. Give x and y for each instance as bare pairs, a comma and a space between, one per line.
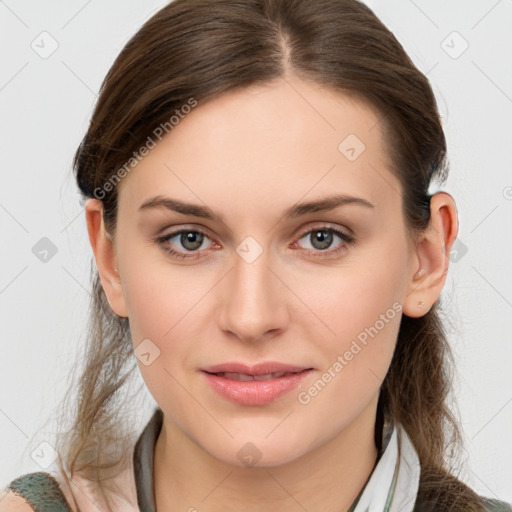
257, 384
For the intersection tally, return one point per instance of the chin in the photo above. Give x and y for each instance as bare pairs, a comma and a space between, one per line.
258, 452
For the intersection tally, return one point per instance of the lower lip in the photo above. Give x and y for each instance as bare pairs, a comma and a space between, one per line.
255, 392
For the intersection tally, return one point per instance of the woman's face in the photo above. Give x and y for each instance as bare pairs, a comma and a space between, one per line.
263, 279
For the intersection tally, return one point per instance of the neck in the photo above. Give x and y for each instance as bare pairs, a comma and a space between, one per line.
329, 478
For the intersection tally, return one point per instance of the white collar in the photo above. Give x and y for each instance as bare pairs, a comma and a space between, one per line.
393, 485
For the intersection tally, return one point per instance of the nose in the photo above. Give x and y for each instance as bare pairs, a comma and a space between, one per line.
253, 300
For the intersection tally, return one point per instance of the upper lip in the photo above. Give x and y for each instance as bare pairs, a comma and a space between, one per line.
256, 369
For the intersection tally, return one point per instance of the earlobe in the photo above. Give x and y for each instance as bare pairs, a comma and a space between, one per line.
104, 253
432, 251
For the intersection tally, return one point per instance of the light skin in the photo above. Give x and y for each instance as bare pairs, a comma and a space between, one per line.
250, 155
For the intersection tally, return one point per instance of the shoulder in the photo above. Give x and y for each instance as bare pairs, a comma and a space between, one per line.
33, 491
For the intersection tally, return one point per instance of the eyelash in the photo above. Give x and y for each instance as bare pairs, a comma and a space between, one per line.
347, 239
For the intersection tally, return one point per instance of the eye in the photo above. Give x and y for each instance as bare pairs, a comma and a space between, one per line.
190, 239
323, 237
192, 242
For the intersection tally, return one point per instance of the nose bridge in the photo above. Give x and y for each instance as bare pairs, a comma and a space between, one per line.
252, 303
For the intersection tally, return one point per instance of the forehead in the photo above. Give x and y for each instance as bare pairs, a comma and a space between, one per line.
269, 144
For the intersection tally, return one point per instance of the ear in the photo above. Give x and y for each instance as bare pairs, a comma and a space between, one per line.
104, 253
432, 251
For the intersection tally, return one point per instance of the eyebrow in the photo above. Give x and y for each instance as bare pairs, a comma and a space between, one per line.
298, 210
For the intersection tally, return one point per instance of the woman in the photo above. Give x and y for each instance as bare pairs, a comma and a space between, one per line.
256, 178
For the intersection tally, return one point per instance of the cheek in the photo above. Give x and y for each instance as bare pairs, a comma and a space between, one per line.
160, 297
165, 306
359, 309
162, 323
352, 298
356, 361
150, 309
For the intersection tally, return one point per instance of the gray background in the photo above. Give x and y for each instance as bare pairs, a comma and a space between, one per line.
45, 106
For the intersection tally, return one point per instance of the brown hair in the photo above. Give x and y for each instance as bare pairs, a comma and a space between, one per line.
199, 49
